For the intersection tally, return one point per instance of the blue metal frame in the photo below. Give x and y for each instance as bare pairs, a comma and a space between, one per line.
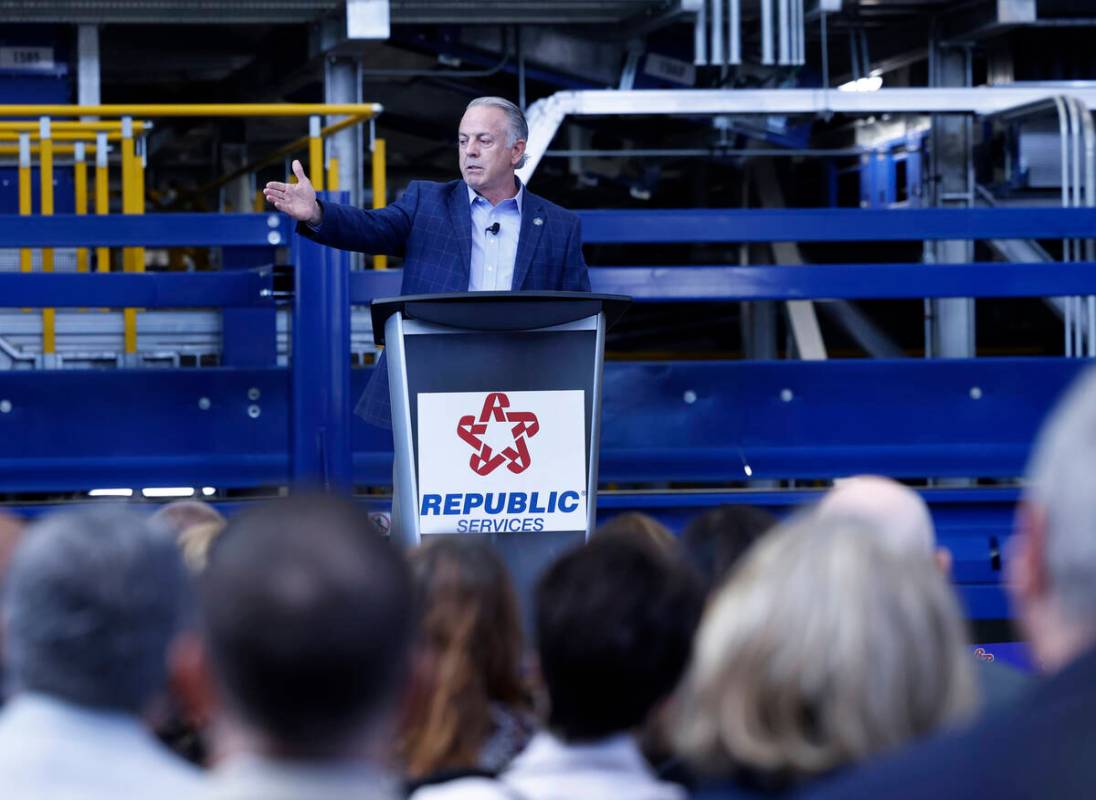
833, 225
150, 230
245, 289
817, 281
689, 422
321, 431
252, 424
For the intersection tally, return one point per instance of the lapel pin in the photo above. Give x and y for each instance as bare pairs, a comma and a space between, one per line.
538, 221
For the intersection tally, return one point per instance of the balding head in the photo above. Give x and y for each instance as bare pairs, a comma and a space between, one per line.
896, 513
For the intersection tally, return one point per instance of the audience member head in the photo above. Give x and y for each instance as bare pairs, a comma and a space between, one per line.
468, 656
11, 533
614, 621
822, 649
307, 616
895, 514
195, 524
642, 526
93, 600
715, 540
1052, 558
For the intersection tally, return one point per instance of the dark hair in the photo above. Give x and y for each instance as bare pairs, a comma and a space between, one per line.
308, 616
615, 622
716, 539
470, 648
636, 523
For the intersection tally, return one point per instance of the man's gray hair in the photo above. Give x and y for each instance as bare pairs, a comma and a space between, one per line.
92, 602
515, 118
1062, 475
823, 649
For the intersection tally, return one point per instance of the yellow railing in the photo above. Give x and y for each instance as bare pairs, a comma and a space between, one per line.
73, 135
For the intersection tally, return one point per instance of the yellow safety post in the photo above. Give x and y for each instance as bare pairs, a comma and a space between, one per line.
102, 196
139, 197
129, 174
45, 170
333, 174
380, 190
80, 182
25, 262
315, 152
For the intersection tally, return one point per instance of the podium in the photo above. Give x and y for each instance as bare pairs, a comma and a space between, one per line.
496, 399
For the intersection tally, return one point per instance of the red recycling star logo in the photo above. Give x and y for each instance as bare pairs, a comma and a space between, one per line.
524, 424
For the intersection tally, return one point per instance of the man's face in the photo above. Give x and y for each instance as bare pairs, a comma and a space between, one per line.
486, 162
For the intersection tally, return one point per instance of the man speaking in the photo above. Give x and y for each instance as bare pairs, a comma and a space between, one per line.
484, 233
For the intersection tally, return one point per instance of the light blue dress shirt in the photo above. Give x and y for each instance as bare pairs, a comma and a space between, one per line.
493, 254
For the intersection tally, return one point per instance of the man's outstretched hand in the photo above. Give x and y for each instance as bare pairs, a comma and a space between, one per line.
298, 200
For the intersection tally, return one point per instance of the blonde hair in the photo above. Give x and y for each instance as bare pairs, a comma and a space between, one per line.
823, 649
195, 525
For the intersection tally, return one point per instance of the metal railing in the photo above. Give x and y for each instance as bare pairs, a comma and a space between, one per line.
82, 131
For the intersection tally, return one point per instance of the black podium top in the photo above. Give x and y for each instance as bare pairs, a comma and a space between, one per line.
498, 311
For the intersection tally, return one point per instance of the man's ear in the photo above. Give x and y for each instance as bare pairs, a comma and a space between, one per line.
517, 152
191, 679
1026, 563
944, 561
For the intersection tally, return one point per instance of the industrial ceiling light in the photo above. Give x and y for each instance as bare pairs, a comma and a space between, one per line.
168, 491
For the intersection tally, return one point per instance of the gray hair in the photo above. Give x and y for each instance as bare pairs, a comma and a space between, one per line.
515, 119
1062, 475
823, 649
93, 599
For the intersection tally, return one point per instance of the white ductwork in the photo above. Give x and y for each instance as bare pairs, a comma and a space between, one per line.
545, 116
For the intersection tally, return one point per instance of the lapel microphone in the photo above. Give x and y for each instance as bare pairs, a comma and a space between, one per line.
492, 229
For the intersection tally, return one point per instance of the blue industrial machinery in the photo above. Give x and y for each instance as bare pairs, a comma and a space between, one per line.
250, 423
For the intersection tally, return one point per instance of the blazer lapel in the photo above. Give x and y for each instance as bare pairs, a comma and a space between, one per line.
461, 214
533, 220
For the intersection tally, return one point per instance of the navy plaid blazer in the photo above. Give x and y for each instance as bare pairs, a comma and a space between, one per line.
430, 226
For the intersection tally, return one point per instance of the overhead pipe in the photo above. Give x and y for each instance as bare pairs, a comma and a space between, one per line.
734, 32
700, 35
766, 31
717, 32
784, 44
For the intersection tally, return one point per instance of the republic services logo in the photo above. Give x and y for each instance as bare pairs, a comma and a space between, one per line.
523, 426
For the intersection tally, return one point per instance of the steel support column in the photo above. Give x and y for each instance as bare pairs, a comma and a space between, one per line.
87, 66
320, 366
950, 332
342, 84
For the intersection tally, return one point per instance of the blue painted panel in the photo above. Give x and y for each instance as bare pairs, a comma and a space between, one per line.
816, 281
599, 227
148, 290
908, 418
832, 224
152, 230
77, 429
249, 335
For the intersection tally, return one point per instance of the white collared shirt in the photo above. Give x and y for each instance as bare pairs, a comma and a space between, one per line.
54, 750
494, 254
551, 769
